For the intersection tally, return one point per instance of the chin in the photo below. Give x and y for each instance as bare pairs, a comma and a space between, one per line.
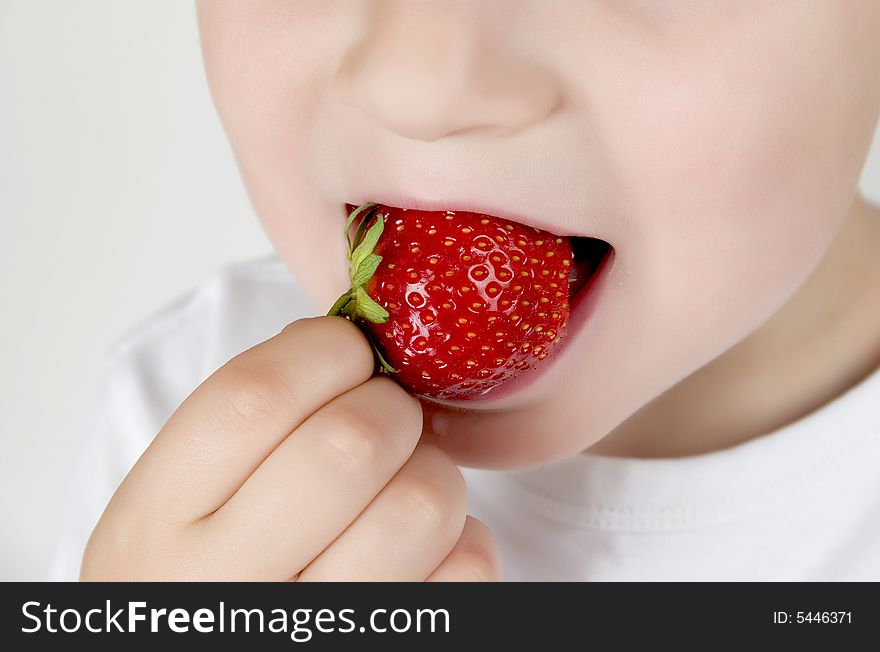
498, 439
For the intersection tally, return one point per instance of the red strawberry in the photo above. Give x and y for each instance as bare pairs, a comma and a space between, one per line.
455, 303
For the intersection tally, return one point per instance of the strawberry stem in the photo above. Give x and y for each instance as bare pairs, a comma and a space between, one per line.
341, 302
355, 304
359, 232
382, 361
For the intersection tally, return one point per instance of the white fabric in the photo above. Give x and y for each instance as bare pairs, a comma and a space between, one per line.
800, 503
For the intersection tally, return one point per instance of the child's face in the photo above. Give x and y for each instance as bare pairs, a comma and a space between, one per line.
716, 145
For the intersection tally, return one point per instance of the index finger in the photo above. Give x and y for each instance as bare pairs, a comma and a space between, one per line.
223, 431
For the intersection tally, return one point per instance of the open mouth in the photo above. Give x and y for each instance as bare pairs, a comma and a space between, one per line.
458, 303
588, 256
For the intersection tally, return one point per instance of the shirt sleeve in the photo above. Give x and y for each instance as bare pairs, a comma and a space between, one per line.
119, 427
152, 370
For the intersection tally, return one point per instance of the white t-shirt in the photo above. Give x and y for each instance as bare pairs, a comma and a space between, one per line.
801, 503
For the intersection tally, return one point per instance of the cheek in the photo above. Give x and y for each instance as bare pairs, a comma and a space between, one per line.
736, 148
739, 148
267, 66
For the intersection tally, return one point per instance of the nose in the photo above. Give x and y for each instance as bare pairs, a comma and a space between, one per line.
429, 69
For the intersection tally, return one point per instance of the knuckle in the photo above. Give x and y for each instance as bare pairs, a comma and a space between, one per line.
375, 422
433, 496
353, 440
426, 505
256, 396
405, 411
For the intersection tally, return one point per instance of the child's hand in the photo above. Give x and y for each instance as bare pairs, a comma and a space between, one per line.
292, 462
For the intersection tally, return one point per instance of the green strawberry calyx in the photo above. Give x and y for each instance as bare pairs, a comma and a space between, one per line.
355, 304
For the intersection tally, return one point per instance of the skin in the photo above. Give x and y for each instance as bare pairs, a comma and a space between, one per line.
717, 146
227, 489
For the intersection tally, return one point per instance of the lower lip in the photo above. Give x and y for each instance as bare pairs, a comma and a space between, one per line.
583, 304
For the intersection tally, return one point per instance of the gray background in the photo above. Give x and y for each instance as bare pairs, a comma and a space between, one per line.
118, 193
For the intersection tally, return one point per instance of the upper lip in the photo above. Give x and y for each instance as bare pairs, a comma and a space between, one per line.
401, 200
